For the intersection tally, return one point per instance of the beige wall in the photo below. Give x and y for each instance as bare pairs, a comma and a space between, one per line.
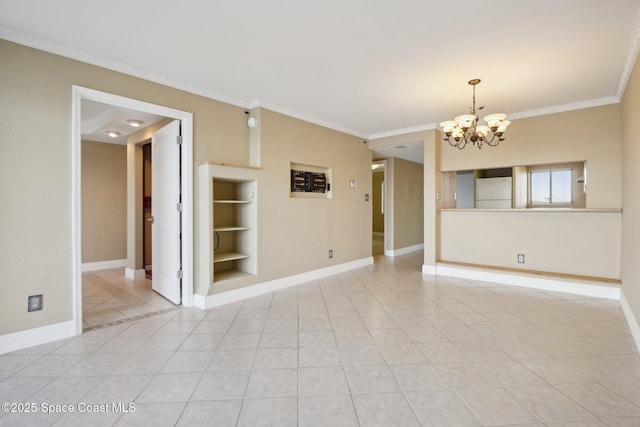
104, 202
408, 203
35, 109
591, 134
630, 193
569, 242
376, 202
592, 247
295, 234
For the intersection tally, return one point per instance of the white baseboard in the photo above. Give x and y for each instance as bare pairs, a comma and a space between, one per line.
135, 274
547, 283
429, 269
403, 251
631, 319
30, 337
228, 297
104, 265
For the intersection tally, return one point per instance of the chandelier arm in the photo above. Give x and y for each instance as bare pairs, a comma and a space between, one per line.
491, 143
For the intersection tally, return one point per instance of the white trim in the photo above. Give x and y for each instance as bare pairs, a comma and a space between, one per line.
403, 251
564, 108
634, 327
403, 131
40, 43
36, 42
630, 61
104, 265
429, 269
67, 51
186, 118
45, 334
139, 274
512, 116
547, 283
206, 302
256, 103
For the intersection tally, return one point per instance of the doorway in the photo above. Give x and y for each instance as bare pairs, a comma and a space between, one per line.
135, 261
378, 193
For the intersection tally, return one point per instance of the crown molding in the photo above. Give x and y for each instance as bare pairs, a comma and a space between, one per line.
79, 55
630, 62
403, 131
257, 103
564, 108
100, 61
512, 116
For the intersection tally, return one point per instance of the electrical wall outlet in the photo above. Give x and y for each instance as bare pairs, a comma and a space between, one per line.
520, 258
34, 303
330, 253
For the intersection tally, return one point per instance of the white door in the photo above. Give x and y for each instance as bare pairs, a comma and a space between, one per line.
165, 197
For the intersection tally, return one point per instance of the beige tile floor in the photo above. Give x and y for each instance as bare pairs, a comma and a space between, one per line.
378, 346
109, 297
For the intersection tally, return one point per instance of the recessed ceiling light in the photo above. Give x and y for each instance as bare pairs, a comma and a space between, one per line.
401, 146
112, 133
135, 123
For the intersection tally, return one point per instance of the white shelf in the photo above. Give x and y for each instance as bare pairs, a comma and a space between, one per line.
232, 201
229, 256
230, 275
231, 228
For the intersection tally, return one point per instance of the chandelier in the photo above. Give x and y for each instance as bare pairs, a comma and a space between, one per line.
464, 129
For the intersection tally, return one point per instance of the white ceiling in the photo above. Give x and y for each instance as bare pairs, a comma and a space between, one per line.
367, 67
98, 118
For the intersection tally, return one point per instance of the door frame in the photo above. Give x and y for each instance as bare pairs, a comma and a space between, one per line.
186, 118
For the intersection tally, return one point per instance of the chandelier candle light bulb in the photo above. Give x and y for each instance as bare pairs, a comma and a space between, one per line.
464, 129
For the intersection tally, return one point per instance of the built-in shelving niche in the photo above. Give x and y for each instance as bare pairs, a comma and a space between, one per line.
228, 216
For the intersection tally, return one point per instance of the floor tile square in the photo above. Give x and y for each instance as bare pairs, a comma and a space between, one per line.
316, 338
233, 360
319, 356
273, 358
549, 404
322, 411
273, 383
384, 410
417, 377
282, 412
169, 388
211, 412
219, 385
441, 408
353, 337
279, 339
599, 400
371, 379
495, 406
358, 355
322, 381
